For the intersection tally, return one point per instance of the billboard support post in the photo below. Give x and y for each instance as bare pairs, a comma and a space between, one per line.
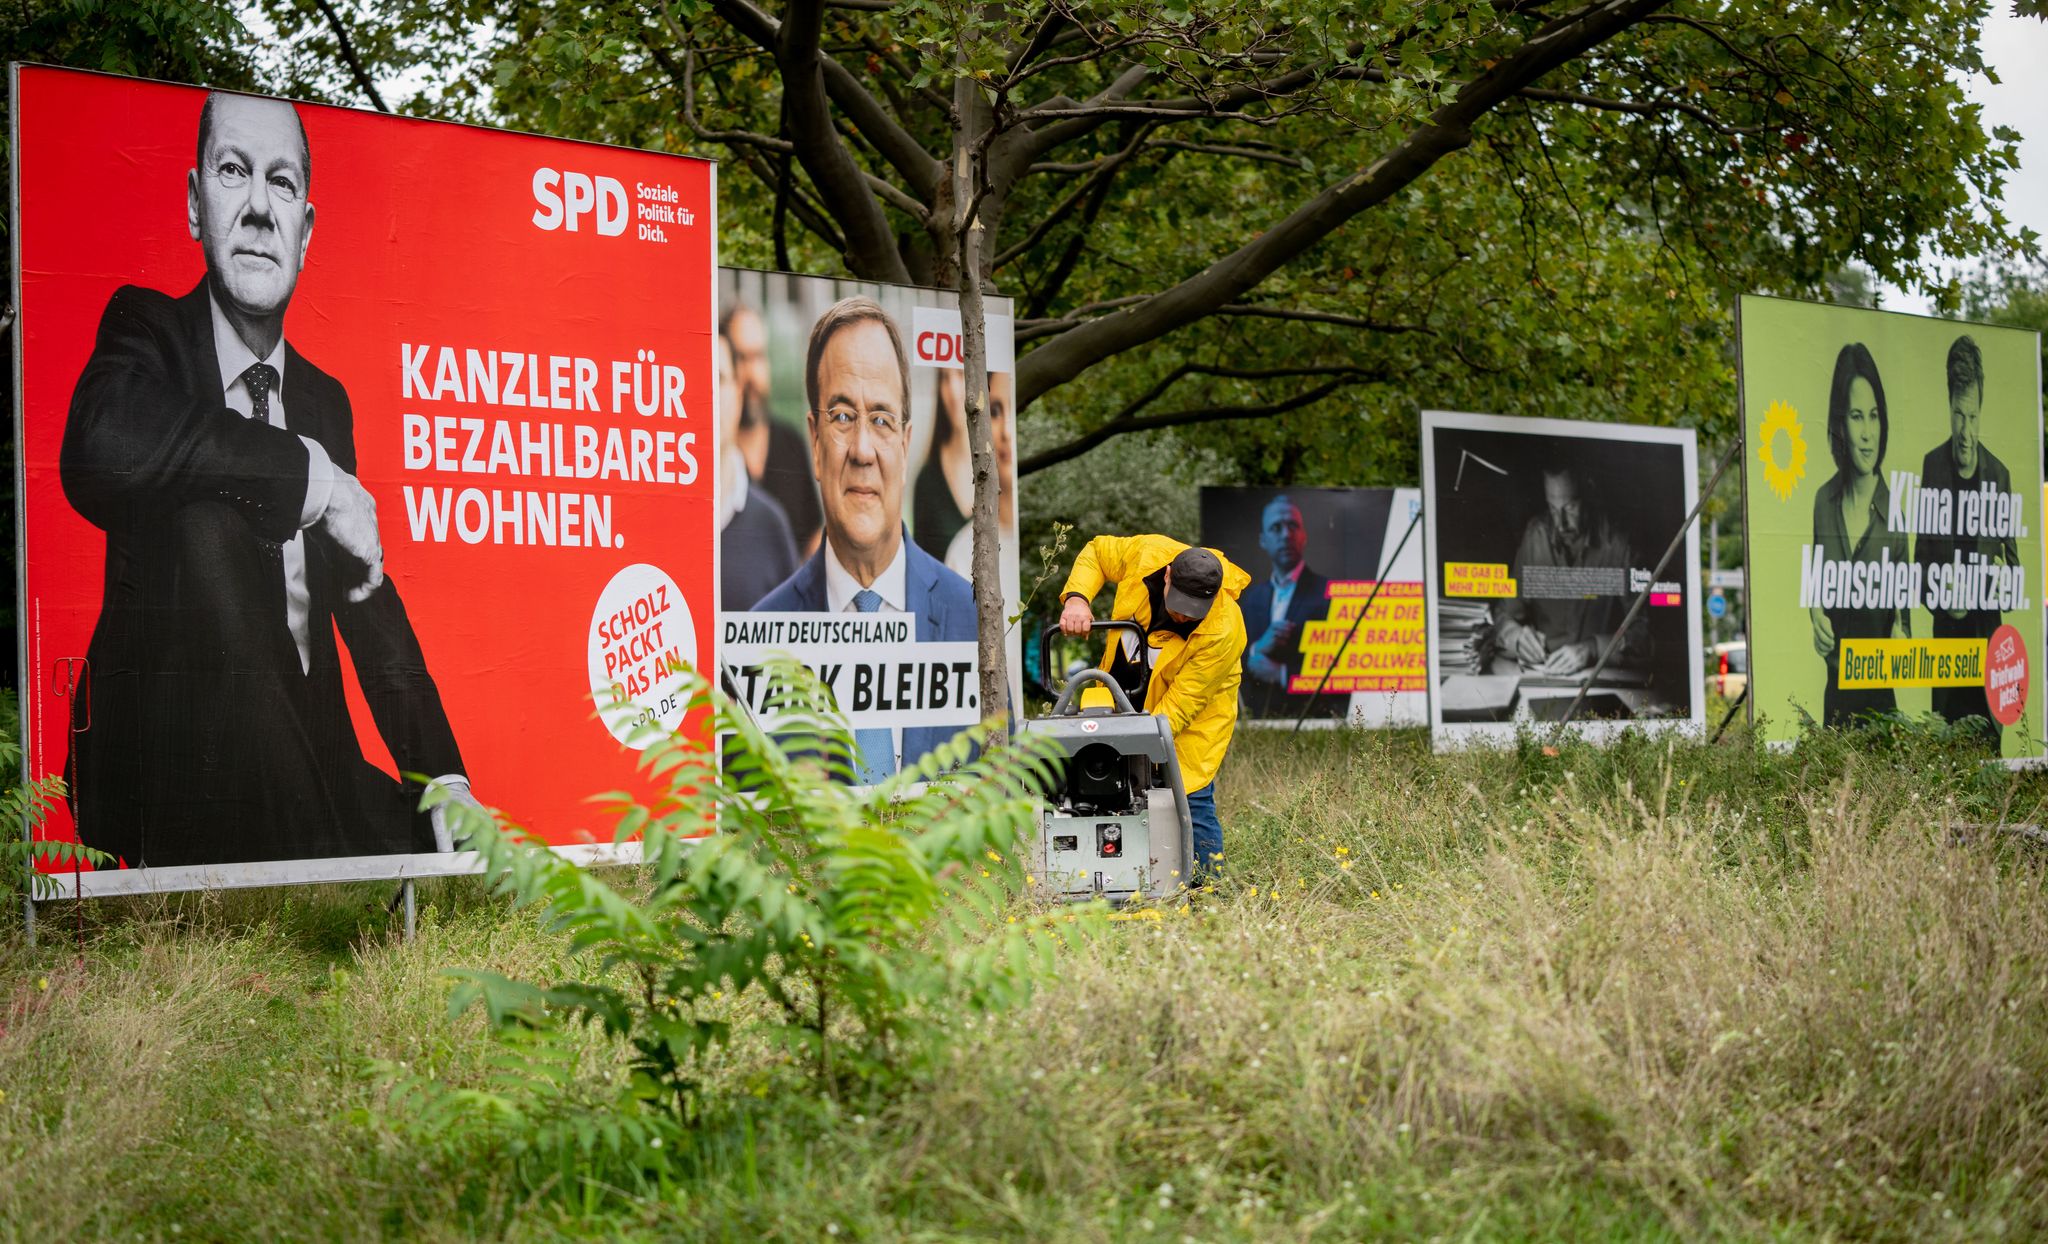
404, 900
1643, 596
1356, 623
1733, 709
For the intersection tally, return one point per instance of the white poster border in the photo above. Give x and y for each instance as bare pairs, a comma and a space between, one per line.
1454, 736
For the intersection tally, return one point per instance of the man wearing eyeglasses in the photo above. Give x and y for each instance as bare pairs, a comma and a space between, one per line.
221, 464
857, 383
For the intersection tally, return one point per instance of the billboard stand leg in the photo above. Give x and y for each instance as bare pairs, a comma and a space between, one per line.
1643, 596
404, 898
1732, 710
1379, 578
28, 921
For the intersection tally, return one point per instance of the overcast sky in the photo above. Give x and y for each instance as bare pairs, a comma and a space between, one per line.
2017, 50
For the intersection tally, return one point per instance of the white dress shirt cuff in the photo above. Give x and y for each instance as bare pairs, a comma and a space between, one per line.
319, 482
457, 787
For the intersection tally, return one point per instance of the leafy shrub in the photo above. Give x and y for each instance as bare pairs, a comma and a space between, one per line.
23, 805
849, 926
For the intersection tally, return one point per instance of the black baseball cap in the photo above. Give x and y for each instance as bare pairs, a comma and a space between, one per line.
1196, 576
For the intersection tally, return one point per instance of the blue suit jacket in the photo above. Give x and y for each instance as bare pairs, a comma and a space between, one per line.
940, 600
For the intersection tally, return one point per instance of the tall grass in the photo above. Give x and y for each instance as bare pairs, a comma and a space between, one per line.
1655, 991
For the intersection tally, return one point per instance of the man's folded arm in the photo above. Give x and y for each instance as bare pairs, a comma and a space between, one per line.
136, 439
404, 702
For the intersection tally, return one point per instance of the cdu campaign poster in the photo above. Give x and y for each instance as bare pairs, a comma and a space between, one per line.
1542, 533
1890, 466
844, 533
1318, 557
358, 453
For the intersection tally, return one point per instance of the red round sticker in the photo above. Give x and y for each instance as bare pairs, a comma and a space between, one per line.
2005, 674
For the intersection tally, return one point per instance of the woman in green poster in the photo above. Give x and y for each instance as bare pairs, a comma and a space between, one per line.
1850, 523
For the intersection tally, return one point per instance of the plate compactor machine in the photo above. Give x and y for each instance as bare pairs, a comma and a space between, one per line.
1116, 825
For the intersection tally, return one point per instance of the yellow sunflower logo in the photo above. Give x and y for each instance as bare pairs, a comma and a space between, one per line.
1781, 476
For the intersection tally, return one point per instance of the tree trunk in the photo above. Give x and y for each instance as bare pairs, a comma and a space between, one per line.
971, 117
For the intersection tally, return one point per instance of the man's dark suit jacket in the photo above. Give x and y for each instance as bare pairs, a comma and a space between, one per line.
1938, 471
207, 742
1308, 604
756, 552
941, 601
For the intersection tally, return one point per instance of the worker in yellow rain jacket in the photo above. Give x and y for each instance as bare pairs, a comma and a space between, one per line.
1186, 599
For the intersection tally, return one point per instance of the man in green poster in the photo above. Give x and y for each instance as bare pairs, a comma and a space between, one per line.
1964, 566
1959, 466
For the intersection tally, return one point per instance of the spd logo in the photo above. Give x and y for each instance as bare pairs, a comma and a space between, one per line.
567, 198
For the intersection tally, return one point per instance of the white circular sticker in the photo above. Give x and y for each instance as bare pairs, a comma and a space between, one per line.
642, 640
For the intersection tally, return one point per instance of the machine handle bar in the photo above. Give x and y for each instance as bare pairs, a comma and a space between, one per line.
1098, 624
1068, 704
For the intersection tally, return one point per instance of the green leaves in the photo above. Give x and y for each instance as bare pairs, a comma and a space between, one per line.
23, 808
842, 924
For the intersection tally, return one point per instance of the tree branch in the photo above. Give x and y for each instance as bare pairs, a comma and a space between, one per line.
356, 68
800, 204
1040, 40
1196, 414
870, 241
882, 186
1054, 281
1261, 311
1642, 108
1029, 329
903, 152
1226, 149
1035, 140
1446, 130
1104, 170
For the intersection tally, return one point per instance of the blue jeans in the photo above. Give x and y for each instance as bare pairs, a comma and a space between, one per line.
1208, 833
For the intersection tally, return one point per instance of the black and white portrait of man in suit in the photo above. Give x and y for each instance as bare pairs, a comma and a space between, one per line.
221, 465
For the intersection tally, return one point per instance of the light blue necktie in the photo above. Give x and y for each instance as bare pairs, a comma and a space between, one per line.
877, 748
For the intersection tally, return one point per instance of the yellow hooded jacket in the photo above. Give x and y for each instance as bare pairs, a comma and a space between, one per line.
1194, 680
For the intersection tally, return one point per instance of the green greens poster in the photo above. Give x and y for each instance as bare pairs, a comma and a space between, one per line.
1892, 485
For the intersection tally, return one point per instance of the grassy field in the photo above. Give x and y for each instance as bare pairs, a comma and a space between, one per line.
1661, 991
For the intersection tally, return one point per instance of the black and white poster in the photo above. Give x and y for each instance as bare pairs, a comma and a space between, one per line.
1541, 534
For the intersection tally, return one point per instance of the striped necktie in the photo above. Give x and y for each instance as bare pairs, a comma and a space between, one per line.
877, 748
261, 381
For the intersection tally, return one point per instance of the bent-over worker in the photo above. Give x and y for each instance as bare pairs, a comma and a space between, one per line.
1186, 601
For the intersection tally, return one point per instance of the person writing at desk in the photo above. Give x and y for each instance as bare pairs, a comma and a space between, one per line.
1563, 636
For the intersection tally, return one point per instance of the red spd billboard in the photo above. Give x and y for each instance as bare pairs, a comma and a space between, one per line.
357, 451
